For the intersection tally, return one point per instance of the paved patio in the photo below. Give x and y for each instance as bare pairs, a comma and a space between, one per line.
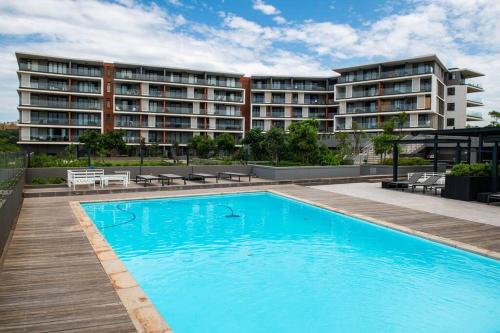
472, 211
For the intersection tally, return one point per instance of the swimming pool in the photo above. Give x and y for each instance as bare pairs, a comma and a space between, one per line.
260, 262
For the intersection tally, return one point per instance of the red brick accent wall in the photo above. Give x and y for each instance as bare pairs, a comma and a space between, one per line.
245, 109
108, 102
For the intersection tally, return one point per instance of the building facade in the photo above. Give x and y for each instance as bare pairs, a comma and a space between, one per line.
432, 96
61, 98
279, 101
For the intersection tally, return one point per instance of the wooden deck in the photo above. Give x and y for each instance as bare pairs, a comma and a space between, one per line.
52, 280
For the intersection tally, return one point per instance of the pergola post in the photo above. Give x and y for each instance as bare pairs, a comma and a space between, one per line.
435, 167
469, 150
395, 161
458, 153
480, 151
494, 168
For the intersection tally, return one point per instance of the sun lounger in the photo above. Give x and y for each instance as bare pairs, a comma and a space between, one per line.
431, 182
493, 197
230, 175
145, 179
402, 184
202, 176
169, 177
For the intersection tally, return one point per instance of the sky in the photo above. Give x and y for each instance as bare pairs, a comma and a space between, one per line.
290, 37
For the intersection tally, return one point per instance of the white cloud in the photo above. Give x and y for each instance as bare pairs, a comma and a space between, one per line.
279, 19
463, 33
265, 8
176, 3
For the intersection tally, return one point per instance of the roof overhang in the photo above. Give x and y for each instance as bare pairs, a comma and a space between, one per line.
466, 73
425, 58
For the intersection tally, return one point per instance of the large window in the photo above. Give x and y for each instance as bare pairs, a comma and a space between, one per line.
450, 122
451, 91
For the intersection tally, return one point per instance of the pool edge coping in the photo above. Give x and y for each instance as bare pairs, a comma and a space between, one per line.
446, 241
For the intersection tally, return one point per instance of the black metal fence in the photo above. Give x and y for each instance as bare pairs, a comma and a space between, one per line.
12, 176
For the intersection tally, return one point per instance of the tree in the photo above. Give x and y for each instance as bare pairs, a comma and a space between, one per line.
344, 147
496, 117
275, 143
203, 145
225, 143
380, 145
255, 140
303, 141
92, 142
357, 135
113, 142
8, 140
175, 151
400, 119
154, 150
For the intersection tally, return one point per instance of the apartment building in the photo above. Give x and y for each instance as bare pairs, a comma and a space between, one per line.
60, 98
281, 100
433, 96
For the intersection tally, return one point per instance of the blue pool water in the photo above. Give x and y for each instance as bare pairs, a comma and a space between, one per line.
259, 262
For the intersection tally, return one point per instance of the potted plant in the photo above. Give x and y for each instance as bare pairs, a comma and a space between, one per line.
466, 181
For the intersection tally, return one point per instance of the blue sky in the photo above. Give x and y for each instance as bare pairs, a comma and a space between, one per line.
252, 36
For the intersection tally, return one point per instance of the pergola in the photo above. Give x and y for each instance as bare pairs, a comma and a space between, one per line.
484, 134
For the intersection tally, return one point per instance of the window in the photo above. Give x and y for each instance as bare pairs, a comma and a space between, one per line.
108, 103
450, 122
451, 91
451, 107
109, 71
108, 87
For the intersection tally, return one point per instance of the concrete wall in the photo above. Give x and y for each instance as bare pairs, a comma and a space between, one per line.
154, 170
314, 172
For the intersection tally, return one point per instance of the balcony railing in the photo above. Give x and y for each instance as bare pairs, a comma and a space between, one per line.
47, 86
128, 123
307, 87
424, 123
94, 72
175, 79
228, 127
361, 109
178, 125
236, 113
297, 114
53, 138
384, 92
82, 122
85, 89
384, 75
128, 92
128, 108
277, 114
180, 110
48, 121
49, 104
131, 139
86, 106
317, 115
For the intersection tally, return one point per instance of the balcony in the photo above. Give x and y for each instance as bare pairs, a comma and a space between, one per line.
297, 114
393, 108
52, 138
86, 106
85, 89
93, 72
179, 110
258, 100
361, 109
236, 113
276, 114
175, 79
47, 86
314, 101
128, 123
49, 104
404, 72
357, 78
472, 102
368, 125
155, 93
48, 121
127, 92
127, 107
255, 113
424, 124
317, 115
306, 87
224, 98
83, 122
228, 127
172, 94
132, 139
179, 125
275, 100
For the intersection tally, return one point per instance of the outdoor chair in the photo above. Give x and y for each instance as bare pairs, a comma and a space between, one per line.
431, 182
406, 183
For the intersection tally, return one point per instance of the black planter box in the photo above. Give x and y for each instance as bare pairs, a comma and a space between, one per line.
465, 188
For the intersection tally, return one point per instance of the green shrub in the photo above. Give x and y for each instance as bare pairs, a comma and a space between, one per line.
47, 180
50, 161
471, 170
407, 161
